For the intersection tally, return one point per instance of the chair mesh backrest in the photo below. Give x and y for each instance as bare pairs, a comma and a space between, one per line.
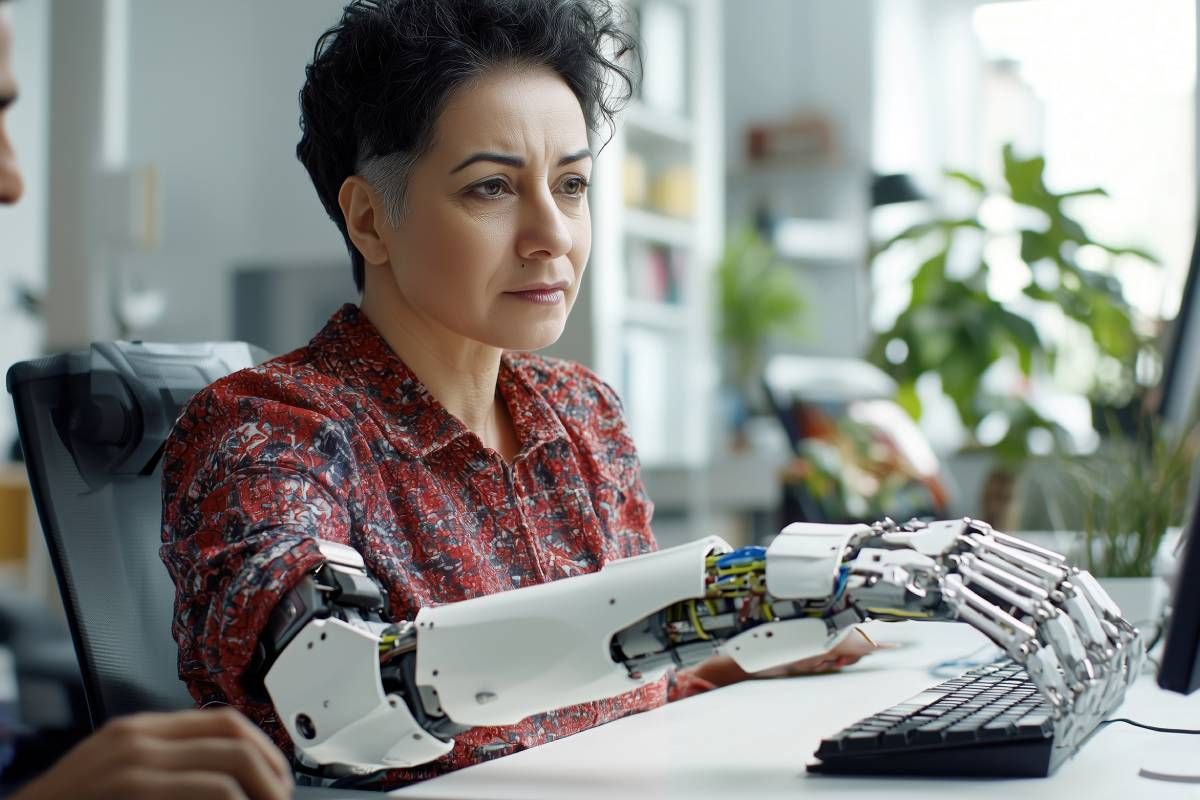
92, 426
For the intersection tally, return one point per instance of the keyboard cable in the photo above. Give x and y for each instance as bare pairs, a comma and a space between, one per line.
1155, 728
1153, 774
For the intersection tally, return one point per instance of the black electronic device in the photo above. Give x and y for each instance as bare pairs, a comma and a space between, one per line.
1180, 670
988, 722
1181, 370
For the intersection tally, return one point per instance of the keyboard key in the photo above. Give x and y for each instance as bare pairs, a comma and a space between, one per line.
956, 734
924, 698
894, 739
860, 740
1034, 723
998, 729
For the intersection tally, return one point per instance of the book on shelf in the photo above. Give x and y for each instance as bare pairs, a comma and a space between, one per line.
654, 272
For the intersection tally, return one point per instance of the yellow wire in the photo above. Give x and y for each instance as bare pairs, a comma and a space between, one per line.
696, 621
768, 614
899, 612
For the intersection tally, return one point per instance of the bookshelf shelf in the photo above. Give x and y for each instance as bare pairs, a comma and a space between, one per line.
650, 226
643, 122
670, 317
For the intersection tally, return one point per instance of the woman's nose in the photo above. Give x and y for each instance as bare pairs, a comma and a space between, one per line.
544, 234
10, 177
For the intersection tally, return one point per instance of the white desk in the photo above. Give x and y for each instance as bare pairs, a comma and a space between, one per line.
753, 740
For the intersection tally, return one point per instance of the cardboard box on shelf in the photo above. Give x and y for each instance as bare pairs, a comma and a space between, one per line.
14, 513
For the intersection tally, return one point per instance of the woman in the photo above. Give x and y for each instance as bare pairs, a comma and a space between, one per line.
448, 140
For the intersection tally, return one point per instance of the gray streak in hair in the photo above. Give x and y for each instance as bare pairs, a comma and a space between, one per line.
388, 175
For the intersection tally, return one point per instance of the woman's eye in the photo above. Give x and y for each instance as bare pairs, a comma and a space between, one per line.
574, 186
489, 189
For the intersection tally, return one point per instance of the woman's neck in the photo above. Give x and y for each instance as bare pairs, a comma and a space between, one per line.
460, 373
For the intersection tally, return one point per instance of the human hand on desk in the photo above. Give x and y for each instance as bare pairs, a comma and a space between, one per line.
723, 670
215, 754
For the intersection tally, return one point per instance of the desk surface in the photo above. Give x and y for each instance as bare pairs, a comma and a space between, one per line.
753, 740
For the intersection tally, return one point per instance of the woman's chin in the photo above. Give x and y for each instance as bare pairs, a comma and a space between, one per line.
530, 336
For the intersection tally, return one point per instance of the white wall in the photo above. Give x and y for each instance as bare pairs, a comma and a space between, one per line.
213, 105
926, 89
23, 228
783, 57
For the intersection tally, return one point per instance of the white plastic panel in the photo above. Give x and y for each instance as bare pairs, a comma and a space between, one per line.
935, 539
803, 560
774, 643
497, 659
330, 673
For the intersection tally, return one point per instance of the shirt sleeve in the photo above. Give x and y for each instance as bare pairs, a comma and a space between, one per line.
684, 683
249, 485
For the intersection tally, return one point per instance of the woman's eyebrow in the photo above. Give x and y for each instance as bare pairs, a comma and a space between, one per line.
517, 162
578, 156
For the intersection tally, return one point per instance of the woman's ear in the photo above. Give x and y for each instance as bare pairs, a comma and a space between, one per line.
362, 208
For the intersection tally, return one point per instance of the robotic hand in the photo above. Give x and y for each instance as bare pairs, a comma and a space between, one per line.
1053, 619
357, 692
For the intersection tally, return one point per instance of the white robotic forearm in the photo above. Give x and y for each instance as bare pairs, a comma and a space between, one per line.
356, 691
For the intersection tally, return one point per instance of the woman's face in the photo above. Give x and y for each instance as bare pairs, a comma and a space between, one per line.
497, 233
10, 176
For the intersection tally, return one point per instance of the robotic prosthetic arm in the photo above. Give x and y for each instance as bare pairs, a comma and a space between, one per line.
357, 692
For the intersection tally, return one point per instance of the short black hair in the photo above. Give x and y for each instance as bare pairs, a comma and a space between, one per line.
381, 76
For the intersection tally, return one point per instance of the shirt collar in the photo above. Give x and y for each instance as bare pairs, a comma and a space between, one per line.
352, 347
534, 419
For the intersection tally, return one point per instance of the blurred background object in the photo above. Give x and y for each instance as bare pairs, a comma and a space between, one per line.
999, 351
1130, 493
857, 454
759, 301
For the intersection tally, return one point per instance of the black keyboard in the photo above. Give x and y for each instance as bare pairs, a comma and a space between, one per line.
991, 721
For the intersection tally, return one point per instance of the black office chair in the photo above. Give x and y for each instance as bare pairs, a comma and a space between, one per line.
92, 426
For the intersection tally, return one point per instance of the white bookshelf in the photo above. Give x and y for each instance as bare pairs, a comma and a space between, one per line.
655, 228
644, 320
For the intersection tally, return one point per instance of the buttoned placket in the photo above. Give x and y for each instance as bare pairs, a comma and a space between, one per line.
511, 518
522, 523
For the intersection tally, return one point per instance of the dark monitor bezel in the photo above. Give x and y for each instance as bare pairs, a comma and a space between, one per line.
1183, 326
1180, 669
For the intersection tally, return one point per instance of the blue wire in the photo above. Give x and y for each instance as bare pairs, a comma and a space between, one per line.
954, 666
742, 556
843, 579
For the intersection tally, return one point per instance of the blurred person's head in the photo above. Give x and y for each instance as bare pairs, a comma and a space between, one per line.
10, 175
448, 140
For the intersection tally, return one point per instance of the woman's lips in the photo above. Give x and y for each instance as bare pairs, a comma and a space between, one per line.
546, 297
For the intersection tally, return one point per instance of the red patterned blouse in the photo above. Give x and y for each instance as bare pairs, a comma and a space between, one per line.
339, 440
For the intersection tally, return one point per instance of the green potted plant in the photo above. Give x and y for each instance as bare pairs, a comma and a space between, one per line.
758, 299
1127, 497
956, 328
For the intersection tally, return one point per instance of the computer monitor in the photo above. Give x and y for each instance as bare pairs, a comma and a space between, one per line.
1180, 670
1181, 370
